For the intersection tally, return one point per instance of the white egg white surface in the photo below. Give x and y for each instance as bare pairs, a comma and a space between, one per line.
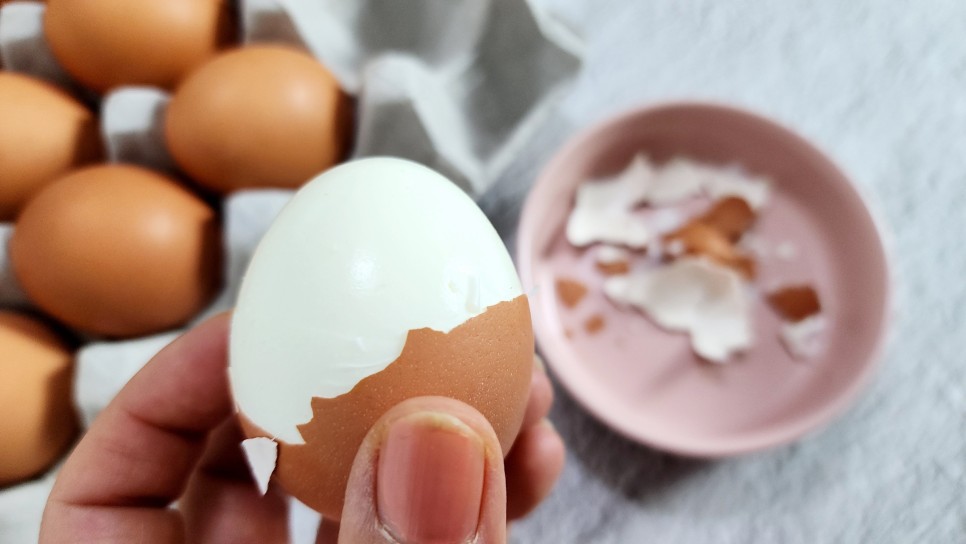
362, 254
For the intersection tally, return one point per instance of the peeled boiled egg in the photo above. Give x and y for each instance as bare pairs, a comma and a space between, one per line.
380, 281
260, 116
38, 420
116, 250
107, 43
44, 132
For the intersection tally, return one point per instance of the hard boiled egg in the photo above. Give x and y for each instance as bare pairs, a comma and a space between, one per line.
380, 281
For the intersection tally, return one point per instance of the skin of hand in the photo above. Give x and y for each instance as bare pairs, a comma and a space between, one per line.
430, 471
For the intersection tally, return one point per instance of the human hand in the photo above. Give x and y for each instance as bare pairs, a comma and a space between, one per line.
430, 470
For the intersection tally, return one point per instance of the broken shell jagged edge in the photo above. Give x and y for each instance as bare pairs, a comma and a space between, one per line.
262, 456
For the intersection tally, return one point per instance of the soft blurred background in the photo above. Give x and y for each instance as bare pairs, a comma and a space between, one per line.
879, 85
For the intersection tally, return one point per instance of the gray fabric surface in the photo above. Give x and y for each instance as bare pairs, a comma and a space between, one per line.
881, 86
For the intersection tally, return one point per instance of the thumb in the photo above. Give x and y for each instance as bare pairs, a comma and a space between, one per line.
430, 471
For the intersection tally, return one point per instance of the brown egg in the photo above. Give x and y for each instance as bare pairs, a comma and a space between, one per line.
465, 364
107, 43
44, 132
261, 116
118, 251
38, 420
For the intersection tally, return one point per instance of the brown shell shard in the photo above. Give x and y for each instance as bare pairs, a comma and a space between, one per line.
594, 324
571, 292
486, 362
697, 238
795, 303
614, 268
731, 216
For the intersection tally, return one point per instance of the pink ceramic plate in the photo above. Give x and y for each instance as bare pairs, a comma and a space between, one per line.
646, 383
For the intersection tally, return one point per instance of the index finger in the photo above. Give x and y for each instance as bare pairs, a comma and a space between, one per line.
141, 450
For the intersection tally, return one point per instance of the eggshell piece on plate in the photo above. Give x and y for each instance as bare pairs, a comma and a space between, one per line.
602, 208
38, 420
570, 291
109, 43
614, 268
612, 260
692, 295
260, 116
380, 281
731, 216
698, 239
44, 133
117, 251
796, 302
594, 324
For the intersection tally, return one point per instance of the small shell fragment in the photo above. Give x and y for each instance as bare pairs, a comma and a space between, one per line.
795, 303
262, 454
594, 324
692, 295
732, 216
571, 292
804, 339
603, 208
699, 239
612, 260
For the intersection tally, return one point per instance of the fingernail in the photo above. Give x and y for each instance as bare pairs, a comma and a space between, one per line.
429, 484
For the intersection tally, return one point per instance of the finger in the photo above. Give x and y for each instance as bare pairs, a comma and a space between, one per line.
541, 395
328, 532
532, 468
137, 456
222, 503
430, 470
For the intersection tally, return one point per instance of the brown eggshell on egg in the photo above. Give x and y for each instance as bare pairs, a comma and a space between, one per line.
118, 251
38, 421
486, 362
44, 133
259, 116
109, 43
